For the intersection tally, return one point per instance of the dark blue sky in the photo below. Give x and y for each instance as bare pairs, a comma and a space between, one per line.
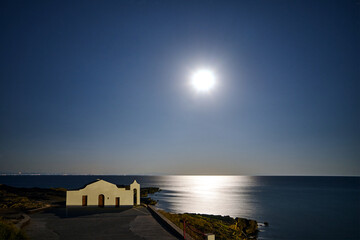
101, 87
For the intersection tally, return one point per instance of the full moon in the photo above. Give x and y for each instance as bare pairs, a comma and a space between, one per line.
203, 80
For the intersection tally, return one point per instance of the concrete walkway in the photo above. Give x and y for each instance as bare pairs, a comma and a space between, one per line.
134, 223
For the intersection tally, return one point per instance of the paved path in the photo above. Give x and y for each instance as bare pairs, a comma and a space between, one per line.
134, 223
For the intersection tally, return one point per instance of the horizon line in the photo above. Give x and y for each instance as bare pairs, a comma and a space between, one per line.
159, 174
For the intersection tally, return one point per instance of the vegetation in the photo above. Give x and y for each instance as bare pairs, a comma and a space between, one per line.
148, 190
29, 198
9, 232
224, 227
148, 201
144, 192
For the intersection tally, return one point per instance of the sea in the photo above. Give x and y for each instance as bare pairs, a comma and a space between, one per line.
296, 207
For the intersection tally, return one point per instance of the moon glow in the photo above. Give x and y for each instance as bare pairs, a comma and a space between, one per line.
203, 80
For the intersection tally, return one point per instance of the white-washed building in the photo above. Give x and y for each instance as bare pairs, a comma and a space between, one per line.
104, 194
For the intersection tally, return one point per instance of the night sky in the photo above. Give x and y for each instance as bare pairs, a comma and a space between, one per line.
102, 87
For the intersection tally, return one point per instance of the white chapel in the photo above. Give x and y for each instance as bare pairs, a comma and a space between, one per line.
104, 194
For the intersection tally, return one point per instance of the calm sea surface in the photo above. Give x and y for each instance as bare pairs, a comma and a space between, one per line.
295, 207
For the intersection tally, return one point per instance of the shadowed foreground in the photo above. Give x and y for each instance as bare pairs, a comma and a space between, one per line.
133, 223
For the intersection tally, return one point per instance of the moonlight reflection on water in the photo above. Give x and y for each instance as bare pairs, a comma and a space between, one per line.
208, 195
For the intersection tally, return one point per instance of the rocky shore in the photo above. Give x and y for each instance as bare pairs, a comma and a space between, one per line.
224, 227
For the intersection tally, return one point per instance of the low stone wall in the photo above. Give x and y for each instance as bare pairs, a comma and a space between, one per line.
25, 220
178, 232
39, 209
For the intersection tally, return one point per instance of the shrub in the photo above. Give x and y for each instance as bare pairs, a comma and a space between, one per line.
9, 232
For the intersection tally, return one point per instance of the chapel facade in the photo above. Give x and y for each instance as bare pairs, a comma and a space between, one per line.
104, 194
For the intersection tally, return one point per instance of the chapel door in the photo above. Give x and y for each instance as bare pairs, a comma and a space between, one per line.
117, 202
84, 200
101, 200
135, 197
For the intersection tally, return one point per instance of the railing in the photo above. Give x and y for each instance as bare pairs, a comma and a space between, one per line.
206, 236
